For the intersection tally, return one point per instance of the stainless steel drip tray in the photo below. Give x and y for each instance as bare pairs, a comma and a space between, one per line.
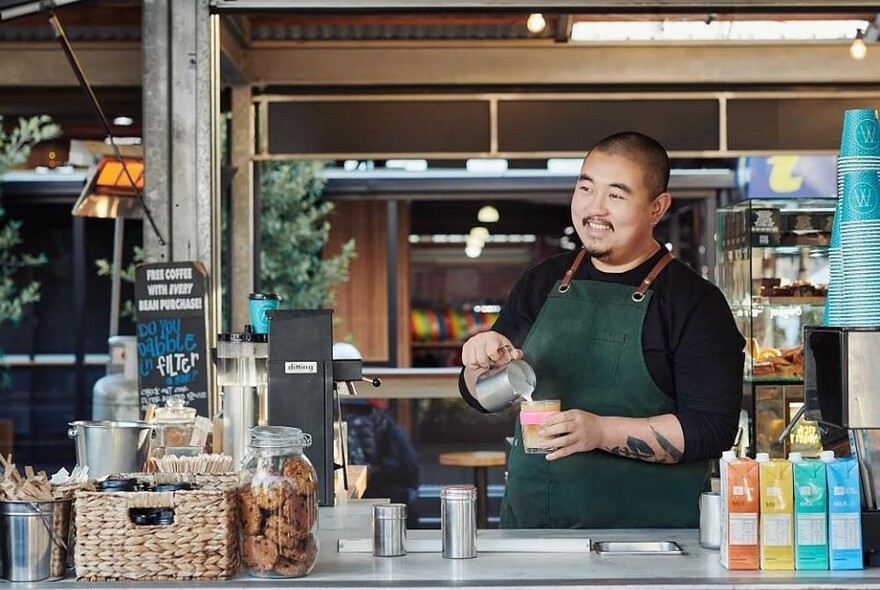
637, 548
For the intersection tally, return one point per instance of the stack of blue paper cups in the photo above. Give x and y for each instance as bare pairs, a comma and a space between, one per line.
854, 290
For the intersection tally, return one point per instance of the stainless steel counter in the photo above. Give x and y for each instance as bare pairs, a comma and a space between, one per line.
698, 568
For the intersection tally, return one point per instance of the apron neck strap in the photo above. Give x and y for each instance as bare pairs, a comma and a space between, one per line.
569, 274
637, 295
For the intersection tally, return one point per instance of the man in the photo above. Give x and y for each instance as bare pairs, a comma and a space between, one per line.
643, 353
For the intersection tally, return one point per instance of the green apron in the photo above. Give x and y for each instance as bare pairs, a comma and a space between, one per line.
586, 349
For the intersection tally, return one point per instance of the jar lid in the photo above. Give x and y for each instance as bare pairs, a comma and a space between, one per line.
267, 437
175, 411
389, 511
460, 492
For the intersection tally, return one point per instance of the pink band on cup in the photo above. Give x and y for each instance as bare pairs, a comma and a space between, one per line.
533, 417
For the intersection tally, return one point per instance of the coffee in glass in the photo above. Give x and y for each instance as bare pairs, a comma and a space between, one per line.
531, 414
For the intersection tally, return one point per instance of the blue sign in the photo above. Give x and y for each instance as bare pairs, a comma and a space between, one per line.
791, 177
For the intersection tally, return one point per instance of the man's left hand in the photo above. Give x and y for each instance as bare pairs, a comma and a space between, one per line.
571, 431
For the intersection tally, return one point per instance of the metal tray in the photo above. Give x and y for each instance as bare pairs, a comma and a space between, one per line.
637, 548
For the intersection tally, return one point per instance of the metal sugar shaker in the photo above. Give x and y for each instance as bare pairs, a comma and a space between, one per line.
389, 530
458, 521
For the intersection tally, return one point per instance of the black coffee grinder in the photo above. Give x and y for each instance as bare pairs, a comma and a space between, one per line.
302, 380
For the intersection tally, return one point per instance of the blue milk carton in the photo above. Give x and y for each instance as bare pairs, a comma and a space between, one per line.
844, 512
810, 514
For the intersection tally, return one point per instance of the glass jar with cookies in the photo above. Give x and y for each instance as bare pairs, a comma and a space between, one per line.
278, 506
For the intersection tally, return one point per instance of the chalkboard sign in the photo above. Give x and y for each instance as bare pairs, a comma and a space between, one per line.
172, 334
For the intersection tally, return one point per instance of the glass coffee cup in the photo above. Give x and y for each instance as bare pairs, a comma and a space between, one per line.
531, 414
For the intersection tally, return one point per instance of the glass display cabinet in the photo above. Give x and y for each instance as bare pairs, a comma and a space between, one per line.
773, 269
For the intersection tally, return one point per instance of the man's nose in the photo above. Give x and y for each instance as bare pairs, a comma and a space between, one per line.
599, 205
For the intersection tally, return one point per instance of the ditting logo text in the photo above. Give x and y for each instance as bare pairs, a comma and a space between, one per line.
297, 367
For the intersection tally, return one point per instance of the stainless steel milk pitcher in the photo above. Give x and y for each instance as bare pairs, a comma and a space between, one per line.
501, 386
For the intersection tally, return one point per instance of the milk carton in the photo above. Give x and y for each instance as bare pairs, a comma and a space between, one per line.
777, 513
844, 512
810, 514
739, 512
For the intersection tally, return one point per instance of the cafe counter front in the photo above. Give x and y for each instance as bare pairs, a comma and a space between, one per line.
533, 564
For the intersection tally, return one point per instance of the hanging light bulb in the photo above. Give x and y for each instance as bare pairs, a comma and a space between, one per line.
858, 49
488, 214
536, 23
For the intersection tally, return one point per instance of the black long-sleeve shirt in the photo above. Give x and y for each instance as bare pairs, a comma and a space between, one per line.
693, 349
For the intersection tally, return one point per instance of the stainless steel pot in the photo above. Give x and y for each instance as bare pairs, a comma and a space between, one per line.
107, 446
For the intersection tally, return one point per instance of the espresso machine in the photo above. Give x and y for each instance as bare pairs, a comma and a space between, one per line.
842, 395
302, 378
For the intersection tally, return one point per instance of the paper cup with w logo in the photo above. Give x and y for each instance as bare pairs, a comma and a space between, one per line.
859, 265
860, 136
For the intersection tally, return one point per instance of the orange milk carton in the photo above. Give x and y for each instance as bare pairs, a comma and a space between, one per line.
739, 512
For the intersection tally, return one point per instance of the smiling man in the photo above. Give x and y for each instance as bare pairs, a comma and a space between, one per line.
643, 353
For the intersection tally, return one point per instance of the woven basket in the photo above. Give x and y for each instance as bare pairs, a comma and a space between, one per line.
201, 543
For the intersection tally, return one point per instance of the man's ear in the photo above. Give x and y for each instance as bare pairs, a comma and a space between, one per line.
660, 205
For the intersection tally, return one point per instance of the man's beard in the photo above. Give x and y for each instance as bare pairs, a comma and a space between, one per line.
596, 251
595, 246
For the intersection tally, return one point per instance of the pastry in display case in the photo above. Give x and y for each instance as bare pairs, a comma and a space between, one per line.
773, 268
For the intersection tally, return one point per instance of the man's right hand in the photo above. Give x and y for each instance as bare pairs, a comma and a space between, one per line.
480, 351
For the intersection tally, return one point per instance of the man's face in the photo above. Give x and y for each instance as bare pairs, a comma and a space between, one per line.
612, 208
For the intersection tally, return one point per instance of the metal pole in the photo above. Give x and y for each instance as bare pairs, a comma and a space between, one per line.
391, 236
81, 396
116, 274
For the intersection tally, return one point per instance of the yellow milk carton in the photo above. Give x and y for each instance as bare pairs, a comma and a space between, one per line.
777, 513
739, 512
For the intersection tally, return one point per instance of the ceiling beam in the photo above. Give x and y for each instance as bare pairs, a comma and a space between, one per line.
559, 64
598, 5
44, 65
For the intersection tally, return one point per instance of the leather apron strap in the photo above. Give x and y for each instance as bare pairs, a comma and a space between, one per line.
637, 295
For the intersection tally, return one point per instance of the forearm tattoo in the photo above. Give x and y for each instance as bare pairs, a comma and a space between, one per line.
673, 452
637, 448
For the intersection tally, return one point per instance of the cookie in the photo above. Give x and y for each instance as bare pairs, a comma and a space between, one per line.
290, 568
248, 543
281, 530
301, 512
265, 553
303, 552
251, 518
269, 496
297, 470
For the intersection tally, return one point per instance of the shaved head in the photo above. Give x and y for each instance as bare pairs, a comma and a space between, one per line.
645, 150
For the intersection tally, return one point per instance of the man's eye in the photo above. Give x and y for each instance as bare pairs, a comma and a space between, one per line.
616, 196
584, 188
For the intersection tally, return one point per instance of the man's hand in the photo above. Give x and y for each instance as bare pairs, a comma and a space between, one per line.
658, 439
571, 431
486, 348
